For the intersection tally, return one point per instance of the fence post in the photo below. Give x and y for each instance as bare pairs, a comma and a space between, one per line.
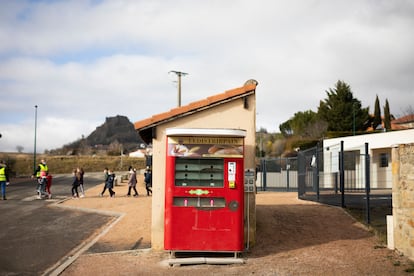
301, 174
264, 174
342, 175
287, 174
367, 183
317, 170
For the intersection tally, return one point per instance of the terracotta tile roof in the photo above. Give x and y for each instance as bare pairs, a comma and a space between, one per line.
399, 123
404, 120
182, 111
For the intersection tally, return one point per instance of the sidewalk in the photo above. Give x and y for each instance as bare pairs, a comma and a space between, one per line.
294, 237
129, 233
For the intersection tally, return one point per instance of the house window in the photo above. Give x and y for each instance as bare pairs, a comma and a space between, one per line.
350, 160
383, 160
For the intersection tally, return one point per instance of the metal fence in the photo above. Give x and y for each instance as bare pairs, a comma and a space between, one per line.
335, 177
277, 174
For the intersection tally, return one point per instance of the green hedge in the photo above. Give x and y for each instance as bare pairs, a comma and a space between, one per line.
22, 164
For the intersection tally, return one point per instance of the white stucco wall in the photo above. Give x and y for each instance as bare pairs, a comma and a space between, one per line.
378, 143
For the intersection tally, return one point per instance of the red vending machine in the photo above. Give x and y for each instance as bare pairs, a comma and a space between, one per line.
204, 190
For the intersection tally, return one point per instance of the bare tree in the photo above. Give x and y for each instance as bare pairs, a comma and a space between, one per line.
19, 149
409, 110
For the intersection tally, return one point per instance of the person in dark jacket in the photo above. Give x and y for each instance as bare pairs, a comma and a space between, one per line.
109, 182
81, 187
148, 180
75, 184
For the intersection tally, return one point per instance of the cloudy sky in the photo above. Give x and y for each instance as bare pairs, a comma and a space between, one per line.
83, 61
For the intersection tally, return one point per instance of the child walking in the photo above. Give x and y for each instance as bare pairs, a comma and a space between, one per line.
105, 180
132, 182
81, 187
109, 183
75, 184
148, 181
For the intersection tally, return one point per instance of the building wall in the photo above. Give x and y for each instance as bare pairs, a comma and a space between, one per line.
381, 174
227, 115
378, 143
403, 198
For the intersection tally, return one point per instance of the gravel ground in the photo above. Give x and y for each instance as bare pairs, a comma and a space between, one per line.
294, 237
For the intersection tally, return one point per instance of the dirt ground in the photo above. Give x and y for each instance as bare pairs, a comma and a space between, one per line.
294, 237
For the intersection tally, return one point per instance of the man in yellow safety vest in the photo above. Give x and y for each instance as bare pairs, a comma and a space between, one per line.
4, 179
41, 174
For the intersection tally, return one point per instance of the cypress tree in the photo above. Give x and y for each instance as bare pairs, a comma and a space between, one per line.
377, 114
387, 116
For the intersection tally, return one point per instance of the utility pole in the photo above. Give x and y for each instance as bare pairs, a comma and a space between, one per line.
34, 150
179, 74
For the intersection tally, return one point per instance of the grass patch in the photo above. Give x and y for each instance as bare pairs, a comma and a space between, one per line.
23, 164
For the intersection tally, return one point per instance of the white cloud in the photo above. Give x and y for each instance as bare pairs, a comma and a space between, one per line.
51, 133
101, 59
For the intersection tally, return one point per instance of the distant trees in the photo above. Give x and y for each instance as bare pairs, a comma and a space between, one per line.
342, 111
339, 113
304, 124
378, 120
387, 116
269, 144
115, 148
19, 149
377, 114
409, 110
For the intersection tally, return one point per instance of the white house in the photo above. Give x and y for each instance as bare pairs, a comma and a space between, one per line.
379, 149
139, 153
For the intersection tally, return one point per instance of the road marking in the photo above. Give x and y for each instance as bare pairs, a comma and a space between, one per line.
30, 198
53, 199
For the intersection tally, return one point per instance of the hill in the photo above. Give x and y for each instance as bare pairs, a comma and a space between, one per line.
114, 129
117, 134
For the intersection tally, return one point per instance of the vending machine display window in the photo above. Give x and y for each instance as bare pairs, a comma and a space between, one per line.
191, 172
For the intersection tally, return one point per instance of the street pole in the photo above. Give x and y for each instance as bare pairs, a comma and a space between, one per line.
34, 151
353, 119
179, 74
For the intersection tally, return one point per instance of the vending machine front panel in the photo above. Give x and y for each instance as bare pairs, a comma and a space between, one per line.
204, 194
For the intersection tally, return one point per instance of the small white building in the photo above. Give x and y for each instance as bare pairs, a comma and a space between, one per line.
379, 149
139, 153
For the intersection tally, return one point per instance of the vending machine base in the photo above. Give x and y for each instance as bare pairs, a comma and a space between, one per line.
178, 258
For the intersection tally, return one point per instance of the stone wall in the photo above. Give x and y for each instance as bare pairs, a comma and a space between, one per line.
403, 199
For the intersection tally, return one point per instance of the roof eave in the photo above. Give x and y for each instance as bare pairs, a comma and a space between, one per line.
146, 127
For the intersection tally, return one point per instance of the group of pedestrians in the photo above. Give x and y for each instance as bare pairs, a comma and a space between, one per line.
109, 176
44, 181
41, 174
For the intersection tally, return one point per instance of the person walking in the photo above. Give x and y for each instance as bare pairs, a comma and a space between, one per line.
75, 184
81, 187
4, 179
48, 185
109, 182
132, 181
148, 180
105, 180
41, 174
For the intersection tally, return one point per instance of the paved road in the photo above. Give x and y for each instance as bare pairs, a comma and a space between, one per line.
36, 234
